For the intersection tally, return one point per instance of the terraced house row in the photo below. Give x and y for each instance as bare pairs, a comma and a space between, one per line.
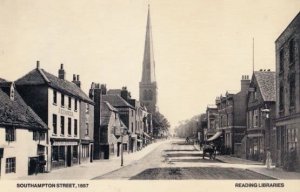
48, 122
264, 116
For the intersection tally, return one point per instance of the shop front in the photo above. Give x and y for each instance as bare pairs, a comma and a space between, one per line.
64, 154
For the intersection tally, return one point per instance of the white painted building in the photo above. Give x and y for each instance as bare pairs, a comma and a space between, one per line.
22, 136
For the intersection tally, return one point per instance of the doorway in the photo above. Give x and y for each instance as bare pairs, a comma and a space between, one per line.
69, 156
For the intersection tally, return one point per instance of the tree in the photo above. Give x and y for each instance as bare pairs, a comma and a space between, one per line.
160, 123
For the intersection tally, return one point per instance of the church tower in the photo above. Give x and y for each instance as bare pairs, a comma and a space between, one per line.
148, 87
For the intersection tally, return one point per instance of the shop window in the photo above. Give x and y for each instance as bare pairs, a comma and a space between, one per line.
10, 165
61, 154
55, 153
75, 151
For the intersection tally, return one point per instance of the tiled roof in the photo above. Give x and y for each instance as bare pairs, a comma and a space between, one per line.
106, 111
267, 84
16, 113
41, 77
116, 101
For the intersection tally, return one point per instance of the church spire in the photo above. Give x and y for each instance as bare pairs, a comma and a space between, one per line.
148, 86
148, 75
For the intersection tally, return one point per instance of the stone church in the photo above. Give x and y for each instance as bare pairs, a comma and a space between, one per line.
148, 86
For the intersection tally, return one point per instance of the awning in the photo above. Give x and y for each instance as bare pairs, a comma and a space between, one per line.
255, 135
145, 134
125, 139
215, 136
112, 139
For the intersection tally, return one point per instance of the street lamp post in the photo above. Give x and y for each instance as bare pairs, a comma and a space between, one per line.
123, 131
266, 113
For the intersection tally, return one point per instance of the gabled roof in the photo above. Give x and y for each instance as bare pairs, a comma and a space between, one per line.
266, 81
16, 113
116, 101
41, 77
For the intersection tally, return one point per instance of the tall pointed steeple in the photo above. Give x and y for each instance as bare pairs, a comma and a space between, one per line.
148, 87
148, 62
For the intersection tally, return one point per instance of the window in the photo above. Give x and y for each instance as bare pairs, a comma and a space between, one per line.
281, 60
62, 125
75, 127
54, 123
10, 134
292, 138
75, 105
69, 103
75, 151
62, 100
54, 97
35, 135
87, 108
54, 153
292, 51
281, 97
69, 126
86, 129
255, 118
292, 92
10, 166
61, 154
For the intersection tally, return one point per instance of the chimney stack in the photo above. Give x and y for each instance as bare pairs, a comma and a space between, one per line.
76, 80
37, 64
61, 72
245, 82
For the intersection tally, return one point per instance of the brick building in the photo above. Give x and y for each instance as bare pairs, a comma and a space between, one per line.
261, 101
232, 117
288, 95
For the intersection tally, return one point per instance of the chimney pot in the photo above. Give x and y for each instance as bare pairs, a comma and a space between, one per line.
37, 64
62, 66
77, 77
74, 77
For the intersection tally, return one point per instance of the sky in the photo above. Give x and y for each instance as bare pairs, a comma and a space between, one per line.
201, 47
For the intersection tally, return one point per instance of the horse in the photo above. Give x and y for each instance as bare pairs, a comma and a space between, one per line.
211, 150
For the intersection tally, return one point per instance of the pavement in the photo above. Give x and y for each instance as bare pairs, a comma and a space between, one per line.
97, 168
258, 167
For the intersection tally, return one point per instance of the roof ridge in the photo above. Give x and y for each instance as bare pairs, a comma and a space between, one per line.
43, 75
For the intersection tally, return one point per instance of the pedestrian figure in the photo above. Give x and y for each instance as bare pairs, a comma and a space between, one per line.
268, 159
187, 140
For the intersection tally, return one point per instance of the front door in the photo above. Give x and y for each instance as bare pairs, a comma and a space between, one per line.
69, 156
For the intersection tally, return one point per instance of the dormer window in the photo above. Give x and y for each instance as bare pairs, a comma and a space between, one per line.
12, 93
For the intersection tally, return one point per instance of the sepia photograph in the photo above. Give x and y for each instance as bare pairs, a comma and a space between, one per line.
140, 95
